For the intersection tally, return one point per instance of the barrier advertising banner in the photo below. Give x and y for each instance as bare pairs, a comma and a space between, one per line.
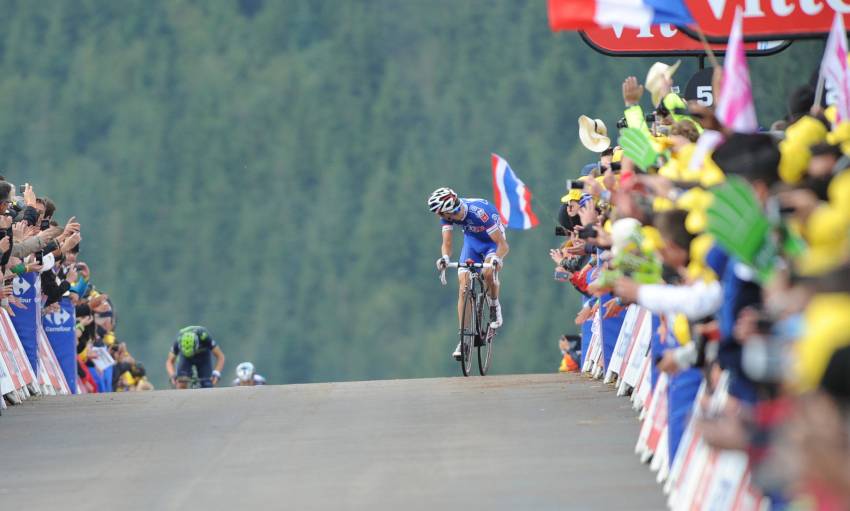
663, 40
624, 341
13, 351
48, 363
59, 327
14, 376
766, 19
26, 289
6, 383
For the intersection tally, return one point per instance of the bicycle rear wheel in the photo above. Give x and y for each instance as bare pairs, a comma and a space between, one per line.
467, 332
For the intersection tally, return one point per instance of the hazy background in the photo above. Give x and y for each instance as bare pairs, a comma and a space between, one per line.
261, 167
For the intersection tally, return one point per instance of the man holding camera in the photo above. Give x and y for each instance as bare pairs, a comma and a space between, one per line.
483, 241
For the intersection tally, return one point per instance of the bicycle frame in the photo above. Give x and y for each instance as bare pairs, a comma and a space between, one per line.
478, 335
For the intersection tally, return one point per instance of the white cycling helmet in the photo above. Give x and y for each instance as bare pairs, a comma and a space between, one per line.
245, 371
443, 200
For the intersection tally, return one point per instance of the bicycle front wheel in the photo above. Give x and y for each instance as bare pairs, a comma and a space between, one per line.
467, 332
485, 336
485, 350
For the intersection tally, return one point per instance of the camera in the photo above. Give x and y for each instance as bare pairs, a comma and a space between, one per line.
649, 118
575, 264
764, 325
587, 232
574, 185
22, 188
45, 224
561, 231
615, 166
39, 256
622, 123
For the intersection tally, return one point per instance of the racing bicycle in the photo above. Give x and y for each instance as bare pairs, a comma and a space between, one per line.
475, 331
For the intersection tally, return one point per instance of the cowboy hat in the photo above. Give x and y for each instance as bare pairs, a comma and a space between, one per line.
593, 134
654, 80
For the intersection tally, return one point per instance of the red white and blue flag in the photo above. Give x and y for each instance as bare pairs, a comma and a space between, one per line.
584, 14
513, 198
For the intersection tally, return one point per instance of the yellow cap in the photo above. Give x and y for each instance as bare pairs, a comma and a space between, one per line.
681, 329
573, 195
827, 321
840, 135
652, 241
617, 156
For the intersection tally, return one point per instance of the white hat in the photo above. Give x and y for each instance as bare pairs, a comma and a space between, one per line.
653, 79
593, 134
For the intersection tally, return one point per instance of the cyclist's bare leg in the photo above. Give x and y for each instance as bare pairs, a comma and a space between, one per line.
490, 280
493, 295
463, 281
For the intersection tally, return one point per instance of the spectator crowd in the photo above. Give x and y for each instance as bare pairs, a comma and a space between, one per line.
738, 244
33, 245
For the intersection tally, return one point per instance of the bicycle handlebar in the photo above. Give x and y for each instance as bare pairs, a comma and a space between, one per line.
469, 264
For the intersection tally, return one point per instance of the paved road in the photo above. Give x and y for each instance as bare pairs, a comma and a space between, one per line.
529, 442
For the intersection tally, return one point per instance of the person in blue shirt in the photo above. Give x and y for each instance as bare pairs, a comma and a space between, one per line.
483, 241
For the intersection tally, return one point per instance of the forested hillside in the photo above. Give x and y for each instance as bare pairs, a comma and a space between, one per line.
260, 167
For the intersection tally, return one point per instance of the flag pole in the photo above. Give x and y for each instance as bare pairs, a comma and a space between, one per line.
708, 51
819, 91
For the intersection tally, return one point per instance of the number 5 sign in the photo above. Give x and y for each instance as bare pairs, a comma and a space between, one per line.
699, 87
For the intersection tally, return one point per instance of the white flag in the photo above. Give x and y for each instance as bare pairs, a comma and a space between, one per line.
735, 107
834, 67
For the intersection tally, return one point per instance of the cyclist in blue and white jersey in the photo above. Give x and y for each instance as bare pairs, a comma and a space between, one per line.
483, 241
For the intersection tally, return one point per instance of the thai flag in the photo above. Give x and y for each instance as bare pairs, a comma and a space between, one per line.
513, 198
583, 14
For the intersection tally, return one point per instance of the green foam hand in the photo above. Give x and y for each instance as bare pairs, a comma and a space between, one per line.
643, 268
736, 220
607, 278
638, 148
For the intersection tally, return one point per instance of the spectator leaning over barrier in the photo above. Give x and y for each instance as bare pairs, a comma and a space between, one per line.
32, 241
753, 230
680, 306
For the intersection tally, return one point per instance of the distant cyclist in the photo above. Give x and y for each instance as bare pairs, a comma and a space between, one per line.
194, 348
246, 376
483, 241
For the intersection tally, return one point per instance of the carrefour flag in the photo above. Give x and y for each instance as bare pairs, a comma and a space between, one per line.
584, 14
513, 198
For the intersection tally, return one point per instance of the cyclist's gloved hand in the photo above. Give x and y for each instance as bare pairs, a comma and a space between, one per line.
442, 262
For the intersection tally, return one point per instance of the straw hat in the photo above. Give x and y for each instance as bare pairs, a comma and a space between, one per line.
654, 80
593, 134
